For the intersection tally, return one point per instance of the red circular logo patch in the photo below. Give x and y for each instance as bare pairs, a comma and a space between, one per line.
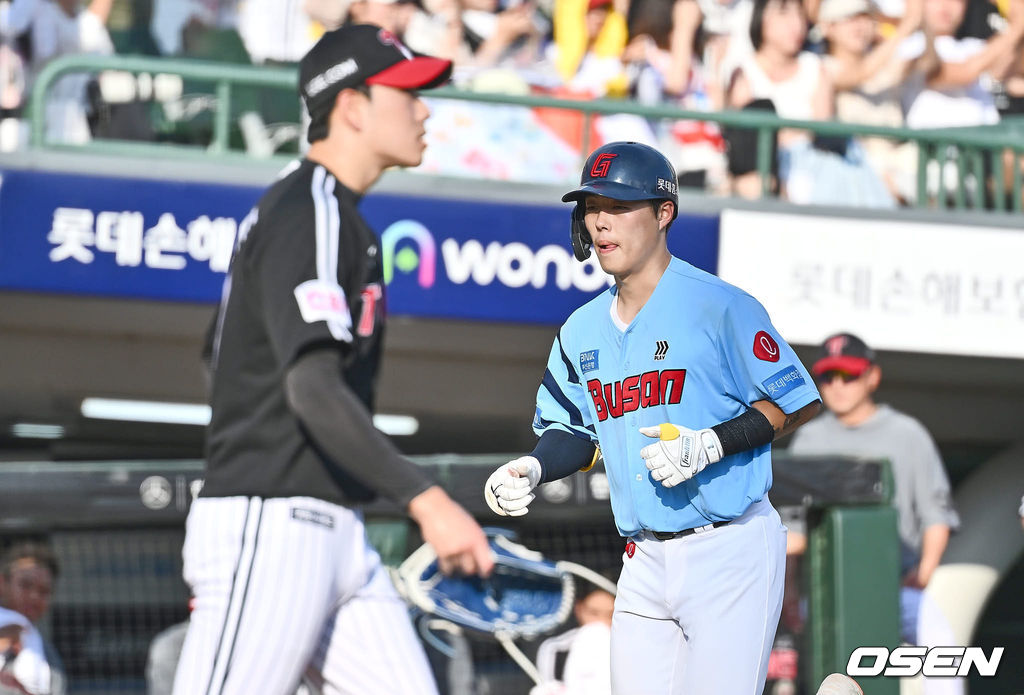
630, 548
765, 347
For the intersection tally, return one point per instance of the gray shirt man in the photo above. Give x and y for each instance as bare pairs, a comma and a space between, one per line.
922, 492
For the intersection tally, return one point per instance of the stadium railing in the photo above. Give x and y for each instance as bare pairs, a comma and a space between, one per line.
978, 156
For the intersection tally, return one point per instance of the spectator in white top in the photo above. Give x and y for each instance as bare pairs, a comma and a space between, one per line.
170, 19
780, 70
578, 662
957, 90
280, 31
437, 30
660, 54
659, 49
58, 28
23, 663
393, 15
474, 33
868, 82
725, 29
27, 573
811, 169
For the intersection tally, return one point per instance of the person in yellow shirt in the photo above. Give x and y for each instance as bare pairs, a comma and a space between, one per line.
589, 27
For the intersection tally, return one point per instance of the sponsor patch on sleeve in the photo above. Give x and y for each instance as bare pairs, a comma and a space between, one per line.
588, 361
782, 382
323, 301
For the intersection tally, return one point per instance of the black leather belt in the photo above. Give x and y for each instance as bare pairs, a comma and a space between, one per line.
669, 535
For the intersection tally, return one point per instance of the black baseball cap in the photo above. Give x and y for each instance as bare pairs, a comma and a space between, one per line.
361, 54
845, 352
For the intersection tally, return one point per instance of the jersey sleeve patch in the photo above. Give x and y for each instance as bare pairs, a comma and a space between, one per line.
323, 301
588, 361
765, 347
782, 382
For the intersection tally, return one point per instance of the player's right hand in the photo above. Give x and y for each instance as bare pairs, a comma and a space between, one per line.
509, 490
460, 543
680, 453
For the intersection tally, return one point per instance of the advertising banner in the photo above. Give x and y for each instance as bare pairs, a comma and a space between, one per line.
906, 286
168, 240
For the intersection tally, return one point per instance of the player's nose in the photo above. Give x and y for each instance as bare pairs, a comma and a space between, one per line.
421, 110
602, 221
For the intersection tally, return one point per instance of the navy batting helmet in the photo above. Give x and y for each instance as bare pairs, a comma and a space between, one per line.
621, 171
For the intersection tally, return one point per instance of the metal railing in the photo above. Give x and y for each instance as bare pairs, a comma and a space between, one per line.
225, 76
978, 156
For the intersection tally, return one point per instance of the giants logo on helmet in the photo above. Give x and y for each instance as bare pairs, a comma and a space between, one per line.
637, 391
601, 164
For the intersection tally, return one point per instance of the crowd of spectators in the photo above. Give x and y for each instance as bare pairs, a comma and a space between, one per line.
913, 63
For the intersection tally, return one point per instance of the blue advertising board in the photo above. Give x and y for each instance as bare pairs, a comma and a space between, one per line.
172, 240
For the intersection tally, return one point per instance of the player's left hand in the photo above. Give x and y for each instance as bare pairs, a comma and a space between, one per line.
680, 453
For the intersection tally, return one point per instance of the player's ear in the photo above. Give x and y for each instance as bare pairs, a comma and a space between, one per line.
351, 106
665, 211
874, 376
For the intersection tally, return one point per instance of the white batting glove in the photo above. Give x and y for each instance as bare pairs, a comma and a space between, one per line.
681, 452
509, 489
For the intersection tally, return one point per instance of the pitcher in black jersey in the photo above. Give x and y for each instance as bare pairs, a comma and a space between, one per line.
285, 581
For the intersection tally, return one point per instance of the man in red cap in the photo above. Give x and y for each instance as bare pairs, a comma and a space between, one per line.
856, 425
276, 554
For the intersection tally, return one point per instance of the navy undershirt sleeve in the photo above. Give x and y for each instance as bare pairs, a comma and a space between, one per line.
561, 454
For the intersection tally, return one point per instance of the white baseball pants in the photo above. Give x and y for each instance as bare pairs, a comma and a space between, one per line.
697, 615
287, 585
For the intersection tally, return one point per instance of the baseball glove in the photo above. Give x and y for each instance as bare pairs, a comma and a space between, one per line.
525, 595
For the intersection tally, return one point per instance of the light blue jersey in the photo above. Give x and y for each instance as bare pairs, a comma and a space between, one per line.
698, 353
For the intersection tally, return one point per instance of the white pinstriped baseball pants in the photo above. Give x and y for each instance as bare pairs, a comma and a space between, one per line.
697, 615
287, 585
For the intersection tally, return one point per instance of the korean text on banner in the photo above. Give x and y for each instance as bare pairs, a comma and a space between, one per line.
909, 286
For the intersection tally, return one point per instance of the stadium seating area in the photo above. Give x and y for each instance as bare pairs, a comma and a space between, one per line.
902, 64
899, 103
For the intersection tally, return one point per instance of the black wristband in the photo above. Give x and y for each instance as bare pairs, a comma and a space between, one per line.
561, 454
747, 431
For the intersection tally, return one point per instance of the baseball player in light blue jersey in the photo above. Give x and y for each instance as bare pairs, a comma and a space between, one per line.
683, 382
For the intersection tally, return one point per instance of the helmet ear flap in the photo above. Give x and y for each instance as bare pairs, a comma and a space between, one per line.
578, 235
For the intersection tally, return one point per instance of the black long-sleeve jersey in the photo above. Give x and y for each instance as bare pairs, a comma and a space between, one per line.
306, 276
